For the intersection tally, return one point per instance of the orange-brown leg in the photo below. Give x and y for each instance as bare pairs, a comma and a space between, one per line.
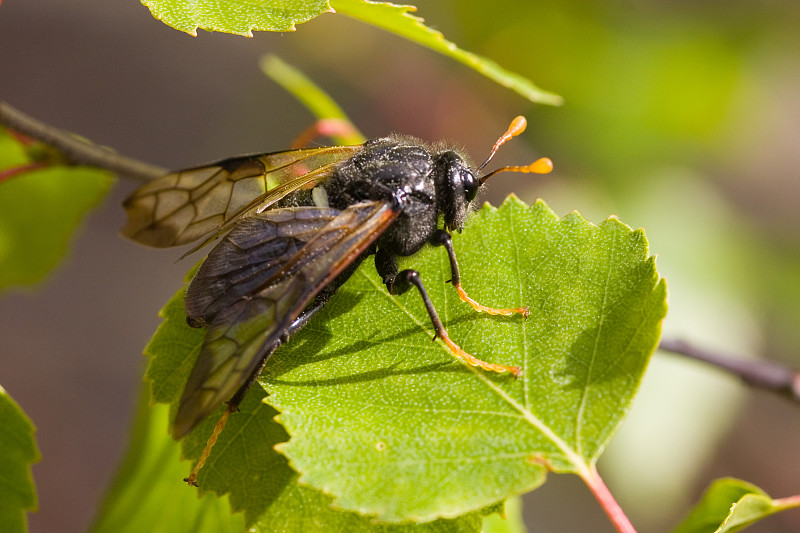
212, 440
236, 400
442, 238
400, 282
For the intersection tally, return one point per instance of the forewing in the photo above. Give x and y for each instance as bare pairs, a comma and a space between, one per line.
249, 305
253, 252
183, 206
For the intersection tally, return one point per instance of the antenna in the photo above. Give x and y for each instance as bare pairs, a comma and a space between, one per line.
517, 126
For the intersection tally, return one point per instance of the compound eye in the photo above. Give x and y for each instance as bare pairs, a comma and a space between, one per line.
471, 185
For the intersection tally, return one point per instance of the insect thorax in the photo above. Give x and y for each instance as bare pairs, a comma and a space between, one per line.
386, 169
391, 169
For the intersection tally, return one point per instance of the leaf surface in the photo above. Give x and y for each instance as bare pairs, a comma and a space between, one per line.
147, 493
234, 16
18, 450
398, 19
389, 424
244, 465
374, 408
731, 505
243, 18
40, 211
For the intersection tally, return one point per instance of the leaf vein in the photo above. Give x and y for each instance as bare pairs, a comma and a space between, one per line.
548, 432
591, 363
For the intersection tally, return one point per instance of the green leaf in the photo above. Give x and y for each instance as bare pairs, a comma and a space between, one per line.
508, 521
39, 211
397, 19
18, 450
262, 484
389, 424
244, 463
147, 493
232, 16
235, 16
172, 351
12, 153
731, 505
374, 408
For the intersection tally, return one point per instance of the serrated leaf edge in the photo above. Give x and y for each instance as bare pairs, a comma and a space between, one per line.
582, 467
159, 15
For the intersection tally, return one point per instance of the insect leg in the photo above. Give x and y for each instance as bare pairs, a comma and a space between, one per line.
441, 238
400, 282
233, 404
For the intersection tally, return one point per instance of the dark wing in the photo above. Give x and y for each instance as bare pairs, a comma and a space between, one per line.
183, 206
257, 281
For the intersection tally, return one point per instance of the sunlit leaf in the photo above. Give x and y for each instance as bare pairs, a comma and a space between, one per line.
731, 505
244, 464
233, 16
18, 450
148, 493
39, 213
374, 408
389, 424
398, 19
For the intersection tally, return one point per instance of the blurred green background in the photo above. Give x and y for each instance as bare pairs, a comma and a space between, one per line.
679, 117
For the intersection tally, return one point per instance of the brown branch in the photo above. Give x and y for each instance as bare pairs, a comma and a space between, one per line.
76, 149
766, 375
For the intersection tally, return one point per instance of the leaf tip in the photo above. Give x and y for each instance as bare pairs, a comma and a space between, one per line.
281, 447
513, 200
487, 207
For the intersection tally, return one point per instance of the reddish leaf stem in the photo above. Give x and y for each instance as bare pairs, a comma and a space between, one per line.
789, 501
607, 501
15, 171
20, 138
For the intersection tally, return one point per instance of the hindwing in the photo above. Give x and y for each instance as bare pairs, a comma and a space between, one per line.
255, 283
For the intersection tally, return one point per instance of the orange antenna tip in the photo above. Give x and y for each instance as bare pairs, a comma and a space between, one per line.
540, 166
516, 127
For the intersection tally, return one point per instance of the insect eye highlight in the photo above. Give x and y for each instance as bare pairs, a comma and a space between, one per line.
471, 185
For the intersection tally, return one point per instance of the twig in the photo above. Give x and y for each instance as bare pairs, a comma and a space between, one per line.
762, 374
76, 149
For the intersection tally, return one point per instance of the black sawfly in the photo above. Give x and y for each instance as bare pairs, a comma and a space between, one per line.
293, 226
